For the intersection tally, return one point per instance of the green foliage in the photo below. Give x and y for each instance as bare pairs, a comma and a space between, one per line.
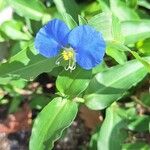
138, 145
73, 84
13, 28
140, 123
112, 133
25, 8
69, 21
70, 7
108, 25
134, 31
119, 85
25, 64
124, 13
103, 90
50, 123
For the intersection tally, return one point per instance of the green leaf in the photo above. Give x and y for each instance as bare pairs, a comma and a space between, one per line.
14, 105
113, 50
139, 145
132, 3
38, 101
105, 5
51, 122
124, 13
99, 68
144, 62
82, 20
112, 133
108, 25
32, 9
13, 29
2, 38
93, 141
26, 64
69, 21
134, 31
18, 46
70, 7
140, 124
91, 9
145, 99
117, 51
112, 84
144, 46
144, 3
73, 83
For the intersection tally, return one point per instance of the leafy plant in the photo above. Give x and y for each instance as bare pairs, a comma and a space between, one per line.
96, 52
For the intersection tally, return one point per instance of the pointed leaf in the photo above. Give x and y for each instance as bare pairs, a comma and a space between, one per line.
73, 83
50, 123
112, 133
70, 7
69, 21
110, 85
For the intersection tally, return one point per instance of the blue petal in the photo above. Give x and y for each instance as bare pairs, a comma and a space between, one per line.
50, 38
89, 46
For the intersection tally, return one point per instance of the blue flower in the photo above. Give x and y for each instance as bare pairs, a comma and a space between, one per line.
82, 45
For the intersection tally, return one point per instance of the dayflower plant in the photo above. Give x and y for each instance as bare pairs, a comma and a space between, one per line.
82, 45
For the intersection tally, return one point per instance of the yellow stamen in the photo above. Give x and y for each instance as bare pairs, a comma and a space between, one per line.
67, 55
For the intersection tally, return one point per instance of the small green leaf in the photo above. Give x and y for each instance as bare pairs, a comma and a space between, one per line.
144, 46
32, 9
38, 101
69, 20
14, 105
70, 7
140, 124
110, 85
112, 133
114, 51
105, 5
73, 83
51, 122
139, 145
132, 3
143, 61
144, 3
145, 99
13, 29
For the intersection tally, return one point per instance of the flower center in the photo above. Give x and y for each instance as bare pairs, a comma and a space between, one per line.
68, 55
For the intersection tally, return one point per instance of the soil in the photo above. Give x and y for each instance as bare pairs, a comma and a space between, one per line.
76, 137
